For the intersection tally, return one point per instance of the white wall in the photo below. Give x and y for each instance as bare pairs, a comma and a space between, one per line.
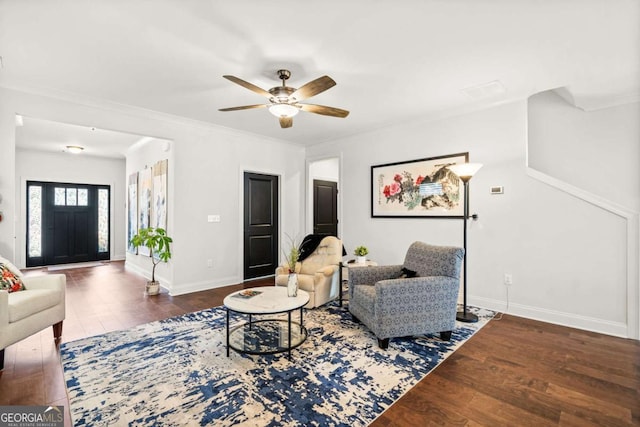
597, 150
208, 162
69, 168
326, 169
567, 256
144, 155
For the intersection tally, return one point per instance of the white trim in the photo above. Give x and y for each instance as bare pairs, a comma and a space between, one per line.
187, 288
146, 273
632, 243
632, 327
553, 316
581, 194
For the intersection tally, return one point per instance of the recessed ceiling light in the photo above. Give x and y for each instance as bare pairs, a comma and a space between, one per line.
485, 90
75, 149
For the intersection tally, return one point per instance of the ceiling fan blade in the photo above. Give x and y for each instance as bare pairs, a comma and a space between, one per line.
314, 87
244, 107
324, 110
249, 86
286, 122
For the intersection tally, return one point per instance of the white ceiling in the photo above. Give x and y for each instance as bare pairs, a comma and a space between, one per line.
44, 135
393, 61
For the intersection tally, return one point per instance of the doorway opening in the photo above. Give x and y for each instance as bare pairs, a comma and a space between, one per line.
323, 188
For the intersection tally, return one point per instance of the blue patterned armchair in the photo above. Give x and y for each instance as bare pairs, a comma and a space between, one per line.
392, 303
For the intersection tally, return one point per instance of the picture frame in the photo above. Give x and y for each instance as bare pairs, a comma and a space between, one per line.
145, 188
422, 188
132, 211
159, 195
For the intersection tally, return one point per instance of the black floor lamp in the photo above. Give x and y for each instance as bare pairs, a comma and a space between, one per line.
465, 171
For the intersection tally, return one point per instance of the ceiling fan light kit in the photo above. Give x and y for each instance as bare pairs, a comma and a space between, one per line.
284, 100
283, 110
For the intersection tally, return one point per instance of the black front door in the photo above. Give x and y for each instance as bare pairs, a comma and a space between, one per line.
260, 225
68, 234
67, 223
325, 207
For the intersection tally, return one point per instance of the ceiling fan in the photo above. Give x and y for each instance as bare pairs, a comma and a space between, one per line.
284, 101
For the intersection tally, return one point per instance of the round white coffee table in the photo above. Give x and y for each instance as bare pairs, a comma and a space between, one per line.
270, 335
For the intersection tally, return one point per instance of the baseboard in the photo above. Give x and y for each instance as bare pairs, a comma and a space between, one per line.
136, 269
187, 288
147, 275
552, 316
184, 288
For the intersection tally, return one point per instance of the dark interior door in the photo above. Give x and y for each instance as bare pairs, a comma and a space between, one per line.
325, 207
260, 225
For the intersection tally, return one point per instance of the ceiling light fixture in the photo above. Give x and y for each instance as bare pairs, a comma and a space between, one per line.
283, 110
75, 149
485, 90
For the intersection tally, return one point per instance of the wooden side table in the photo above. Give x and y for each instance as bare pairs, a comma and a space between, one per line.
348, 265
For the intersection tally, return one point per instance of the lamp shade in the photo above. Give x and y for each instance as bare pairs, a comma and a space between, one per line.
283, 110
465, 170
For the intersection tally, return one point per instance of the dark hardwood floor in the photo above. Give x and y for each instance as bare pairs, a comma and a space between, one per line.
513, 372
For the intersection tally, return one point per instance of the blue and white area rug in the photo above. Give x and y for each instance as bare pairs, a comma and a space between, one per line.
175, 372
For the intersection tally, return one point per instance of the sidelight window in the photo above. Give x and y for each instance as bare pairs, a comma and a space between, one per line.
103, 220
34, 218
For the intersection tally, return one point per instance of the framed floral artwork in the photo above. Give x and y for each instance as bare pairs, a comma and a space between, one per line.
418, 188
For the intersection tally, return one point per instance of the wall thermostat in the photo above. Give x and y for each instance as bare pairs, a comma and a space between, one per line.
497, 190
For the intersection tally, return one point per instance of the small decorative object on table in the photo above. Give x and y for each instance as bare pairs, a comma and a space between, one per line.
246, 294
361, 254
292, 259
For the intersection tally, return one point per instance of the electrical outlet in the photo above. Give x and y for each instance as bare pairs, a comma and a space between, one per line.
210, 263
508, 279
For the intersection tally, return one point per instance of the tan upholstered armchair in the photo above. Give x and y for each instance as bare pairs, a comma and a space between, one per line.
319, 273
23, 313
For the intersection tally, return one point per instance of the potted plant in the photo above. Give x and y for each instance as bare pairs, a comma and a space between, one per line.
361, 254
157, 241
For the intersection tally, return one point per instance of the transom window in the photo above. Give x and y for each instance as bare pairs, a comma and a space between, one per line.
69, 196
